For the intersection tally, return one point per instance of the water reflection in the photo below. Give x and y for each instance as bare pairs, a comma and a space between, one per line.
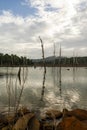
70, 93
43, 84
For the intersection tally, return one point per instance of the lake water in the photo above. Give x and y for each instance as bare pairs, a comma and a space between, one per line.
70, 93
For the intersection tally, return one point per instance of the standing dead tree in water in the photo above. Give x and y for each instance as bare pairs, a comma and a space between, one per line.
44, 74
54, 55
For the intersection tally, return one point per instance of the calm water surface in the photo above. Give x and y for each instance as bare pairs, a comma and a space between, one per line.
71, 93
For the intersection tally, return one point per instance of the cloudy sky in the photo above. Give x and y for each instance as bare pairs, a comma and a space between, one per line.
55, 21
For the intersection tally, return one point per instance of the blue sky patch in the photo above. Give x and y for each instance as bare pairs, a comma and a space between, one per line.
17, 8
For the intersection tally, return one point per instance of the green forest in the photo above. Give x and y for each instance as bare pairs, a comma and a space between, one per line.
14, 60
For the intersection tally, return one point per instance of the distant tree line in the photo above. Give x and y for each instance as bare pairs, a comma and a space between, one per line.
13, 60
72, 61
64, 61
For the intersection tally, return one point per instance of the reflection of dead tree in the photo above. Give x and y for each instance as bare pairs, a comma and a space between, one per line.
74, 67
19, 75
43, 86
8, 82
14, 98
60, 70
22, 81
9, 87
44, 74
53, 68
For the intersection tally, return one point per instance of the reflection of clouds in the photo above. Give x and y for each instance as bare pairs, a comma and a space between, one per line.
3, 99
68, 99
73, 95
54, 100
71, 98
32, 97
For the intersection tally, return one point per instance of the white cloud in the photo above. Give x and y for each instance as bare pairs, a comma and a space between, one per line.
59, 21
8, 17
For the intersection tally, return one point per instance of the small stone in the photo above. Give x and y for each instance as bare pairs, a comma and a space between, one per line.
22, 111
22, 122
78, 113
54, 114
71, 123
34, 124
48, 126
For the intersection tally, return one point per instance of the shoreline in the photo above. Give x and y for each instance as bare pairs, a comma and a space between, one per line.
45, 66
53, 119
